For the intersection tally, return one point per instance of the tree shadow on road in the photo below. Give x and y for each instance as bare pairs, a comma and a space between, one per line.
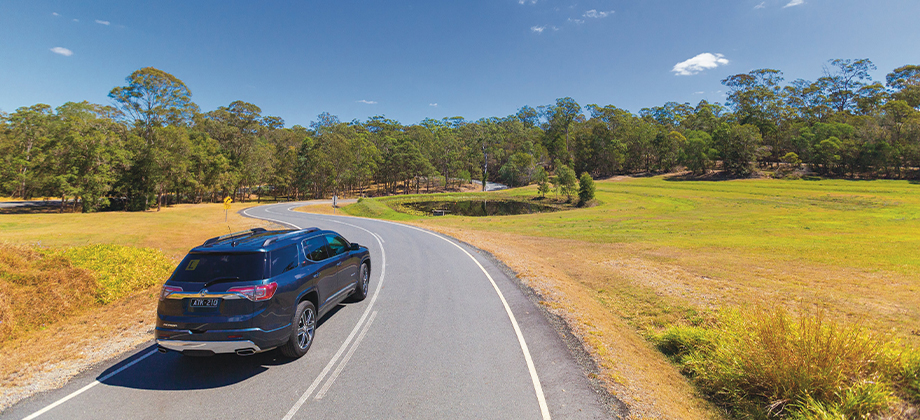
172, 371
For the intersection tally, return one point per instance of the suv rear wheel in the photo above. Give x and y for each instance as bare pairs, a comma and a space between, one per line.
303, 331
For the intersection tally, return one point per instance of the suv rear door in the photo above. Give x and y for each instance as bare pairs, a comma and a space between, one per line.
322, 268
348, 268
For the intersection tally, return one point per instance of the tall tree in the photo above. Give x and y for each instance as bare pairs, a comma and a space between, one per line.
154, 98
559, 117
29, 130
843, 80
904, 81
151, 100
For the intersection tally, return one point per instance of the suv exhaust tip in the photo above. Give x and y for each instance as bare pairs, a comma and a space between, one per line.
245, 352
162, 349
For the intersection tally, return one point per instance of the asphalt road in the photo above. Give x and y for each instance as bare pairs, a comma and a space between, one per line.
444, 334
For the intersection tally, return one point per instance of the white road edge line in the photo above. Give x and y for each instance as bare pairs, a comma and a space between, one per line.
322, 375
351, 351
538, 389
85, 388
268, 218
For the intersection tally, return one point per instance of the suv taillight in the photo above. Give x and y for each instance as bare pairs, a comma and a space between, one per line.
257, 293
168, 290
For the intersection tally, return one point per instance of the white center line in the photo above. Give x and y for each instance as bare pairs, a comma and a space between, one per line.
338, 370
322, 375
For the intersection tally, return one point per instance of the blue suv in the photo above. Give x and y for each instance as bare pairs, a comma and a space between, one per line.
252, 291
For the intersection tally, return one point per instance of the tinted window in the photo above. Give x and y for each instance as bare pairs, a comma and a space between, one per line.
337, 245
284, 259
204, 267
315, 248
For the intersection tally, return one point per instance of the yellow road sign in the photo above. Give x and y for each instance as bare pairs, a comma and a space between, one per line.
227, 202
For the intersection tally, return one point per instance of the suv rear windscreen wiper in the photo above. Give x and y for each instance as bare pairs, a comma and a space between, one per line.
220, 280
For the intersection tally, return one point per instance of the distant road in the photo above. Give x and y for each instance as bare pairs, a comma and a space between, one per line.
492, 186
29, 203
445, 334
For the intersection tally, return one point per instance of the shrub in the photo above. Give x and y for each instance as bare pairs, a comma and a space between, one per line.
542, 180
585, 189
119, 269
565, 181
770, 362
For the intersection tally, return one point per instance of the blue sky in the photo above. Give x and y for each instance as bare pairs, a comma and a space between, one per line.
437, 58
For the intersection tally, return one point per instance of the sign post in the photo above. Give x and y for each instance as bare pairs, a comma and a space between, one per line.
227, 202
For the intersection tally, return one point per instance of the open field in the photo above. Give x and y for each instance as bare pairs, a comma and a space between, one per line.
174, 230
658, 253
97, 259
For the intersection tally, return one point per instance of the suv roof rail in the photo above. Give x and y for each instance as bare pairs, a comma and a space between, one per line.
269, 241
235, 235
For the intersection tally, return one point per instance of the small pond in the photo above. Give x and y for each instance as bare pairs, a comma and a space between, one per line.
479, 207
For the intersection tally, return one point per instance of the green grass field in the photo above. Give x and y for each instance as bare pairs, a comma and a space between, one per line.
660, 253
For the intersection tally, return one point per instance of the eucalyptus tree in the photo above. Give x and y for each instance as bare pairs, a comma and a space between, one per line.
757, 99
904, 82
559, 118
151, 100
29, 130
86, 155
844, 79
154, 98
739, 146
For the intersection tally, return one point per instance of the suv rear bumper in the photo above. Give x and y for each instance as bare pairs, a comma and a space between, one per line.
240, 347
242, 341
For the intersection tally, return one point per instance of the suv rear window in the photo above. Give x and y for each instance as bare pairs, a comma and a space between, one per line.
204, 267
284, 259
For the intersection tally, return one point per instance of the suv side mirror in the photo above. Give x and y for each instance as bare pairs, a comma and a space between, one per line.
354, 247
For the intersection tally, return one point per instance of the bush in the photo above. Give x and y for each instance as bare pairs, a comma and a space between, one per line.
119, 269
565, 181
585, 189
762, 363
542, 180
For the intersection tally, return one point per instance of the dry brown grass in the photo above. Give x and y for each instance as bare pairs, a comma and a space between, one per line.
37, 289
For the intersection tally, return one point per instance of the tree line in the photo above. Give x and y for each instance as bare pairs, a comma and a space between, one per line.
153, 146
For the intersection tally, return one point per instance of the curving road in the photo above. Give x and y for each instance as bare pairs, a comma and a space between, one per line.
445, 333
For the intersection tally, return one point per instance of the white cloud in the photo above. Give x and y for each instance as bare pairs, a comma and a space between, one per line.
698, 93
793, 3
699, 63
435, 104
595, 14
527, 1
62, 51
54, 14
103, 22
761, 5
76, 20
538, 29
576, 21
365, 101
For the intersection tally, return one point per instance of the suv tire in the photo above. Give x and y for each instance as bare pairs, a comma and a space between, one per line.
303, 330
363, 286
